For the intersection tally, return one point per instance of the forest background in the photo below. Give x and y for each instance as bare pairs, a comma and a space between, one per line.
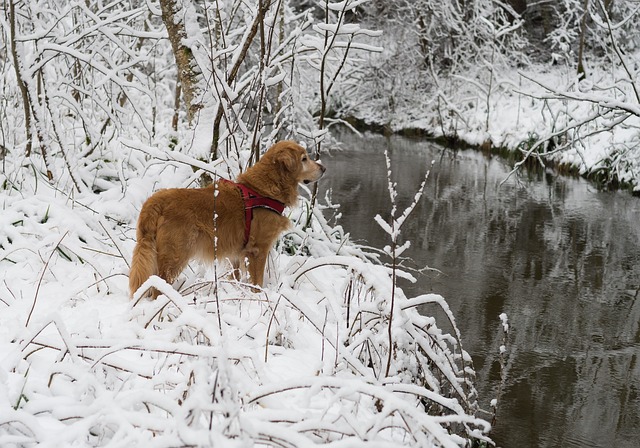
104, 102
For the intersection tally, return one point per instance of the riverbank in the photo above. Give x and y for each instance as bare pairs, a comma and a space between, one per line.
604, 179
304, 361
559, 127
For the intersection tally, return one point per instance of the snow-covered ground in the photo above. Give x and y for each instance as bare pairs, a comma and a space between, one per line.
210, 362
541, 111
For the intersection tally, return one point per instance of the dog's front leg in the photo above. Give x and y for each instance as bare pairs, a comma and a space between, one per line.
257, 261
236, 272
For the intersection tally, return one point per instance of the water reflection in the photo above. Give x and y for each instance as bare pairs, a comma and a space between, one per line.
560, 258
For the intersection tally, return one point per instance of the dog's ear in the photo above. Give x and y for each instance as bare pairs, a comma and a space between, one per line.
289, 160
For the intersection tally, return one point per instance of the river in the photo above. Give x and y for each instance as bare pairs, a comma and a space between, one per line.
561, 258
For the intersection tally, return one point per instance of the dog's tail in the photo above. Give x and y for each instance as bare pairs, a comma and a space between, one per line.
144, 263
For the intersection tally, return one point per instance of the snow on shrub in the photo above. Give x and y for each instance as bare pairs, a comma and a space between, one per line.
211, 362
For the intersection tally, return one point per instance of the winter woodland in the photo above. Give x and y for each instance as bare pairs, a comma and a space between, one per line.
104, 102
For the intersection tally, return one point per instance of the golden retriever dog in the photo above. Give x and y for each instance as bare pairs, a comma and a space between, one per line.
220, 221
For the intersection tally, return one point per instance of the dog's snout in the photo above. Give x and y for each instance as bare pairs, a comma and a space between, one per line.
322, 167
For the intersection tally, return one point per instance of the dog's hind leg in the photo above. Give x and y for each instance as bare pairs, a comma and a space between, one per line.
174, 252
170, 265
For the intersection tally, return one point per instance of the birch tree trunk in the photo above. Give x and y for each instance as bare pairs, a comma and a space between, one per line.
189, 74
23, 88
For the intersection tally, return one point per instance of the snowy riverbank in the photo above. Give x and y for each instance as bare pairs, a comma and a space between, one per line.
590, 128
210, 362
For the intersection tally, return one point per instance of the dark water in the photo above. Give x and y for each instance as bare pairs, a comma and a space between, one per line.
559, 257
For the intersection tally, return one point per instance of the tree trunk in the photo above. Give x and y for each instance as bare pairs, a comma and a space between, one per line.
23, 88
583, 32
188, 71
217, 122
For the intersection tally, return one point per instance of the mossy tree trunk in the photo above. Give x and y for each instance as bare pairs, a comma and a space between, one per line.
189, 73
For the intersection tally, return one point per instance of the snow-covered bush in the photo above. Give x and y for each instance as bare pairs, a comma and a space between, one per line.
210, 362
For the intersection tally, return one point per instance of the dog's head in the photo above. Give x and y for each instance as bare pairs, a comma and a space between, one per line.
294, 160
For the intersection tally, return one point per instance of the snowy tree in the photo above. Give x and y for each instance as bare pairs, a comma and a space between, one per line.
591, 105
231, 76
77, 65
246, 67
449, 51
569, 29
179, 18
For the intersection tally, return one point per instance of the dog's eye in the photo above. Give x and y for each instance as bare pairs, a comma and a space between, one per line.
305, 158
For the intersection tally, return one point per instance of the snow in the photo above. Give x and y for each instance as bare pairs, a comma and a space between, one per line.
594, 123
210, 362
504, 319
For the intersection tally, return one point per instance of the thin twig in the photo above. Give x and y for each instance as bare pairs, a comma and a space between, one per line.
266, 344
44, 269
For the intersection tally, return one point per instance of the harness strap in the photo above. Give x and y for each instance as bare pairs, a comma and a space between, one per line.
251, 200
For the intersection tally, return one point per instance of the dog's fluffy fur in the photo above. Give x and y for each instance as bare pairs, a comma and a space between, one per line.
177, 225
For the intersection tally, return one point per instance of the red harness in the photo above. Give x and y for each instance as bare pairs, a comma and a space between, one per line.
252, 200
